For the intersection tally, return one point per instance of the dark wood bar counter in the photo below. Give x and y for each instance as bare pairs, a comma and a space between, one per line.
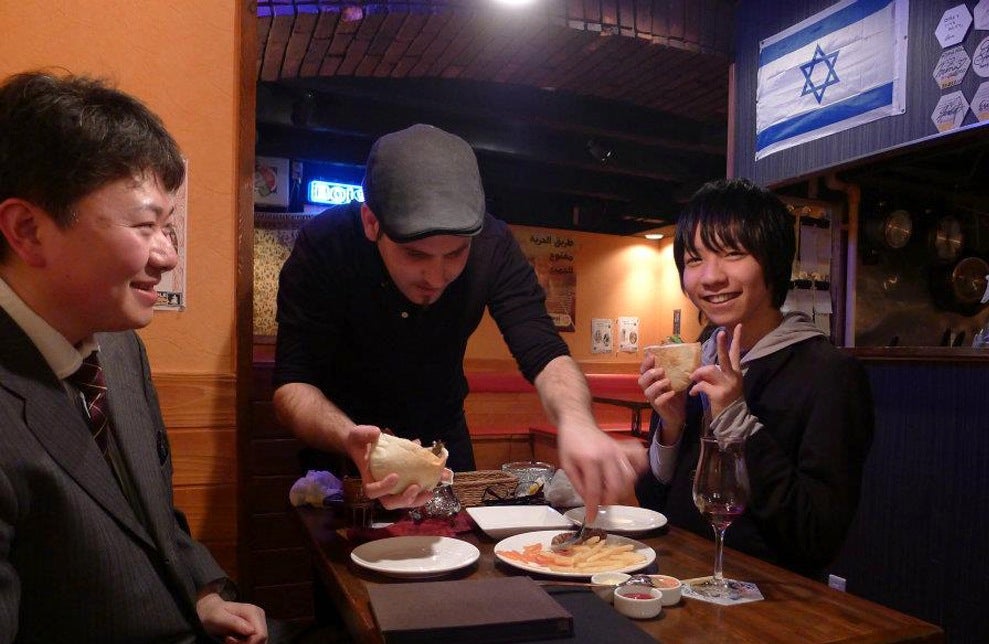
794, 609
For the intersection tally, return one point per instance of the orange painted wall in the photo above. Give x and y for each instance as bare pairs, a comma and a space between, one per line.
616, 276
181, 58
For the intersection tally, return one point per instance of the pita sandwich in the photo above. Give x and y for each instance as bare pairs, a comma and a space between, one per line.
678, 360
414, 464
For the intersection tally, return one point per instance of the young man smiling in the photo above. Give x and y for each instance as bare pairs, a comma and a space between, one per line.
92, 548
803, 407
376, 305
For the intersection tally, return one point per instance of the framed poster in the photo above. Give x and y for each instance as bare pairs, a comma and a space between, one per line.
271, 181
553, 259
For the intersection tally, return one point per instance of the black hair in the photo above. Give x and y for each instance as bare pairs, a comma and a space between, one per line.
64, 136
737, 214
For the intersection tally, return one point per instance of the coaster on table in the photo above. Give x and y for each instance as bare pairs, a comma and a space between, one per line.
742, 592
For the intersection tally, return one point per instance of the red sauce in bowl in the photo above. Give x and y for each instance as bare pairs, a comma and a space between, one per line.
637, 595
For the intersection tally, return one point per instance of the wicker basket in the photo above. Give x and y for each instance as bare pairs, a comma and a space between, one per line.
470, 486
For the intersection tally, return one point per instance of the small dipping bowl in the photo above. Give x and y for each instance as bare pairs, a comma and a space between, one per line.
671, 586
638, 602
609, 581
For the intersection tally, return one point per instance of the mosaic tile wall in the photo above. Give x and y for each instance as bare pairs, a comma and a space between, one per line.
274, 236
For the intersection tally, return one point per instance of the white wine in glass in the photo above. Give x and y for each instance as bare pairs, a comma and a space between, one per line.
721, 490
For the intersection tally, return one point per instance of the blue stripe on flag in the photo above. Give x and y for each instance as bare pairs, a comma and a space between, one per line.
838, 20
853, 106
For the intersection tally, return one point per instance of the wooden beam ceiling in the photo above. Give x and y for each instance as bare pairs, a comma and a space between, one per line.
622, 102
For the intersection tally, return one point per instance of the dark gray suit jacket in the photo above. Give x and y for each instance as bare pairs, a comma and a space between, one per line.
76, 563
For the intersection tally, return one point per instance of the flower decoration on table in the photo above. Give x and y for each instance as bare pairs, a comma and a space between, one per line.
317, 488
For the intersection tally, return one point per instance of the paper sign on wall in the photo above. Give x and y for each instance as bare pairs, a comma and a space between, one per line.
628, 332
553, 258
980, 102
601, 335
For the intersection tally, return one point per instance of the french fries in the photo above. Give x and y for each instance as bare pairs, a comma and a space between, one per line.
594, 555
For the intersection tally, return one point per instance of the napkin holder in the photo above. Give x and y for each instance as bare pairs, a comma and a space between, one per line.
499, 609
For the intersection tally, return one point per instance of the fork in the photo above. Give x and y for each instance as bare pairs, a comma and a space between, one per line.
580, 536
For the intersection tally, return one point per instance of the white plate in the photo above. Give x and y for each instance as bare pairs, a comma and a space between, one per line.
415, 556
621, 519
500, 521
520, 541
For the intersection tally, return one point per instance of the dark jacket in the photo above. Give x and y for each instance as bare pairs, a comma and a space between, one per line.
805, 464
76, 562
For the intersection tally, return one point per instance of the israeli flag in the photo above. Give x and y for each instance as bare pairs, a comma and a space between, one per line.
842, 67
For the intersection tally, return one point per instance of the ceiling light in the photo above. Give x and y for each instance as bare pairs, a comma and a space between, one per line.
656, 234
352, 13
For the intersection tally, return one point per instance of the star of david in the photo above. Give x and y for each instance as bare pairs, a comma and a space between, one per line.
810, 87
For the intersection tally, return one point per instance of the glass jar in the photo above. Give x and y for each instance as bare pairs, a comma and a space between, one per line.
532, 475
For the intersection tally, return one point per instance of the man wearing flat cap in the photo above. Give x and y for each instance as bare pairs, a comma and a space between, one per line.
376, 305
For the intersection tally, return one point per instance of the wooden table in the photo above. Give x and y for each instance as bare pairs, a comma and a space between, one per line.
795, 608
637, 405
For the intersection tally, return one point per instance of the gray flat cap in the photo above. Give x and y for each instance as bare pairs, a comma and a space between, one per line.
423, 181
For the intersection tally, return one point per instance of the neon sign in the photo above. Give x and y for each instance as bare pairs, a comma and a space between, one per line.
334, 194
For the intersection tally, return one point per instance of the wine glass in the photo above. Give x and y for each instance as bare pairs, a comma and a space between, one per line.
721, 490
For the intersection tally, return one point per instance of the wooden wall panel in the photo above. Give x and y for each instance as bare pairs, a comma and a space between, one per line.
211, 511
274, 532
274, 567
204, 456
269, 494
199, 412
523, 410
274, 457
197, 400
491, 451
544, 448
286, 602
225, 554
265, 423
506, 411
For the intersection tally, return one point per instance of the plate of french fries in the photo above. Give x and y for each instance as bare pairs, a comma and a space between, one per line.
530, 551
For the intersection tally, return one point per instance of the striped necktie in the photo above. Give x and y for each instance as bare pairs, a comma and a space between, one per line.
89, 380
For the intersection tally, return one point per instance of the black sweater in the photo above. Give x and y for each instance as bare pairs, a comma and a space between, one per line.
805, 465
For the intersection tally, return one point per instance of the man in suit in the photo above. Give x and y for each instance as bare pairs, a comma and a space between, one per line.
91, 545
